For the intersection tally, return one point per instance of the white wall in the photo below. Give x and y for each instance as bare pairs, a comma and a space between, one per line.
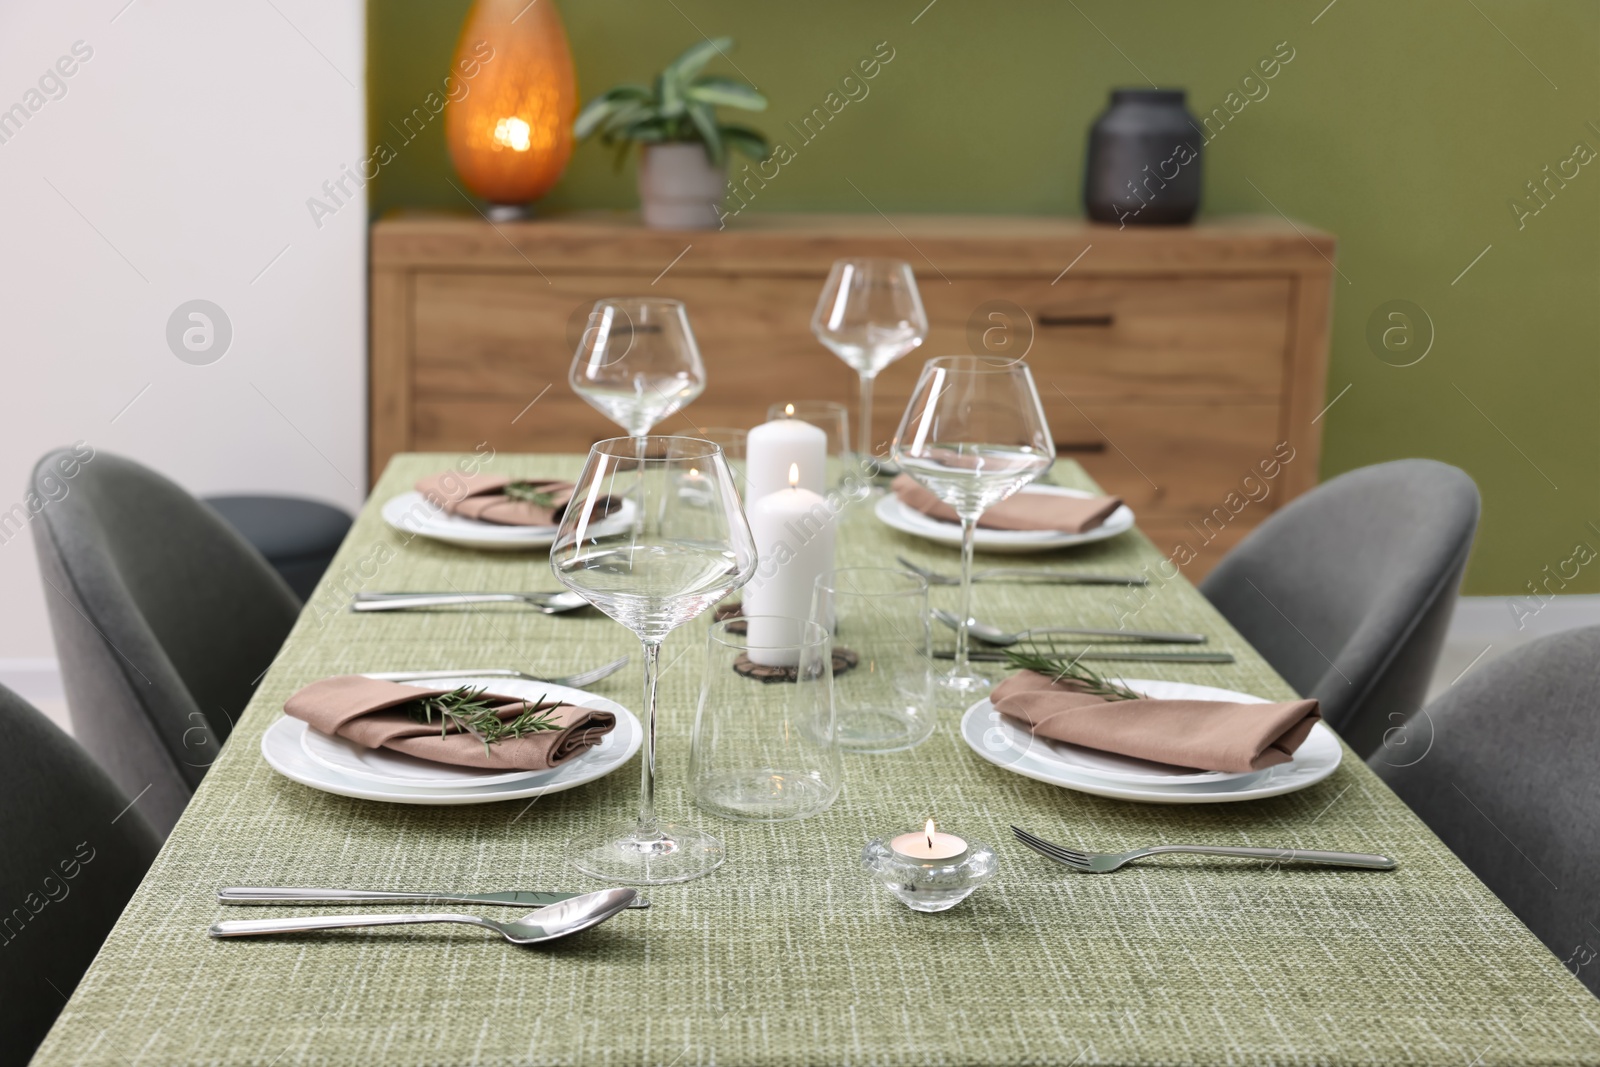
176, 166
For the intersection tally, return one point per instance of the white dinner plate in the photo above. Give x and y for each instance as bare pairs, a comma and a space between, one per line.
990, 735
388, 767
412, 513
892, 512
284, 749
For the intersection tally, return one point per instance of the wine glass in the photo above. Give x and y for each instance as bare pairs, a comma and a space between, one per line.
870, 314
652, 571
637, 361
973, 434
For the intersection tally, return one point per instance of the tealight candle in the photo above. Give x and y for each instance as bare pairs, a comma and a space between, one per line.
929, 846
773, 447
793, 530
929, 870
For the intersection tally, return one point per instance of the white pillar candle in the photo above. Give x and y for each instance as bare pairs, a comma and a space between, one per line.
793, 530
773, 447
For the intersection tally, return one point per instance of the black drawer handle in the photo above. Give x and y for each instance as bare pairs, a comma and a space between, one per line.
1091, 321
1080, 446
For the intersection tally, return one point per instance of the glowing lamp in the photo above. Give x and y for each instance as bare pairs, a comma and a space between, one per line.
510, 135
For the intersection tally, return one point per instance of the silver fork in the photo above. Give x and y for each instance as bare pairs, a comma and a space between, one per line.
990, 574
575, 681
1101, 862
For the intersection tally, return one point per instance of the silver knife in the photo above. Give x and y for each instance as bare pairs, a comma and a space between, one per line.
1108, 655
281, 895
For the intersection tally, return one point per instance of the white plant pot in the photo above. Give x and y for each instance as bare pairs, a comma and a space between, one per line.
679, 188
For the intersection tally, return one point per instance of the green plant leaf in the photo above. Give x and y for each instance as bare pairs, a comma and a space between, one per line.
652, 130
746, 141
600, 111
592, 117
705, 123
695, 57
669, 92
726, 92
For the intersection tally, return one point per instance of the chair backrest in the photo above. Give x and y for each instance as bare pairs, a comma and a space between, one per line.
1502, 767
164, 620
1348, 590
72, 852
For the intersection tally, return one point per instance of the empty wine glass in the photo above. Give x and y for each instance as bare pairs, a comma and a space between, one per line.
637, 361
635, 546
870, 314
973, 434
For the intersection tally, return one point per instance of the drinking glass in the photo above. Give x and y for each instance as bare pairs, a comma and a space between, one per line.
833, 419
637, 361
869, 315
634, 545
973, 434
764, 745
732, 442
885, 702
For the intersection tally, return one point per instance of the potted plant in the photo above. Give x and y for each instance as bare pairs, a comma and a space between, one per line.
683, 144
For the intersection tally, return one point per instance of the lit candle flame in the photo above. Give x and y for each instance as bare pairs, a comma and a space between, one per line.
928, 829
694, 472
788, 411
513, 133
794, 475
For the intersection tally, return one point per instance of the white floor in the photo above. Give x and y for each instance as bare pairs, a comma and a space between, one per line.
1483, 628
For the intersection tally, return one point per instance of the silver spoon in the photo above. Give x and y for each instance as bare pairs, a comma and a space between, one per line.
993, 635
548, 603
546, 924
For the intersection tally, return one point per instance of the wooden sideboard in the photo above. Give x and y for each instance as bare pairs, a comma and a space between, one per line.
1175, 364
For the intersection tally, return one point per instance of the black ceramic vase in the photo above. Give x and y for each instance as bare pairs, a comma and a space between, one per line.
1143, 166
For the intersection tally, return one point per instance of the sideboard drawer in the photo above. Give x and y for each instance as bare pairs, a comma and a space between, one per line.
1117, 337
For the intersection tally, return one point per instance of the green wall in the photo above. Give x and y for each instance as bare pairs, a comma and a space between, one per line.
1405, 128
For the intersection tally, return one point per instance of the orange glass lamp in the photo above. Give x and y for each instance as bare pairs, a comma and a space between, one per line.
510, 135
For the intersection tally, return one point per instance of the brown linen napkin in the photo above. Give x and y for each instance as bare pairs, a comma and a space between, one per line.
483, 497
1209, 735
369, 712
1024, 511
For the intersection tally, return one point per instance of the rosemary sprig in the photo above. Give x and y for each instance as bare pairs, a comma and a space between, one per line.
530, 493
469, 713
1059, 666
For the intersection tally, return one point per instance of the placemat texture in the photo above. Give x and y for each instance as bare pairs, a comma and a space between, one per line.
789, 954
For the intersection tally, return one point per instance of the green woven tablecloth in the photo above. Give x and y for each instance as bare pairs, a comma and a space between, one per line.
788, 954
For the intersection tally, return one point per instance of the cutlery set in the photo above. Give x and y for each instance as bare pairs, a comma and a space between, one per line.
557, 915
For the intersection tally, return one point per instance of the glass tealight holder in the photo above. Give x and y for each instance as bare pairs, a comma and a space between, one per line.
924, 884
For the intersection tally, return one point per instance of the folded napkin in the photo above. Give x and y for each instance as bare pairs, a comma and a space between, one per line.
1209, 735
1023, 511
370, 712
483, 497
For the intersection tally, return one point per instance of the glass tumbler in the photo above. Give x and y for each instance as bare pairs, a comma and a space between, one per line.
763, 746
879, 615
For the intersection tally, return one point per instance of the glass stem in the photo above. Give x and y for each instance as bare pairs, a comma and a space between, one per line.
646, 830
969, 530
864, 430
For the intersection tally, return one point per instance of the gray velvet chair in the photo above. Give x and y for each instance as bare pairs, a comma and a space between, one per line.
1348, 590
1502, 766
71, 854
164, 620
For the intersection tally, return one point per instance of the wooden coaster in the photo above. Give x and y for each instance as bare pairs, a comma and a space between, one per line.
843, 660
724, 612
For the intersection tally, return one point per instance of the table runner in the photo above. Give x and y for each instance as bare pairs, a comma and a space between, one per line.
789, 955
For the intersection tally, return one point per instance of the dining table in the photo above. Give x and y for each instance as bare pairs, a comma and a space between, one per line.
791, 954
